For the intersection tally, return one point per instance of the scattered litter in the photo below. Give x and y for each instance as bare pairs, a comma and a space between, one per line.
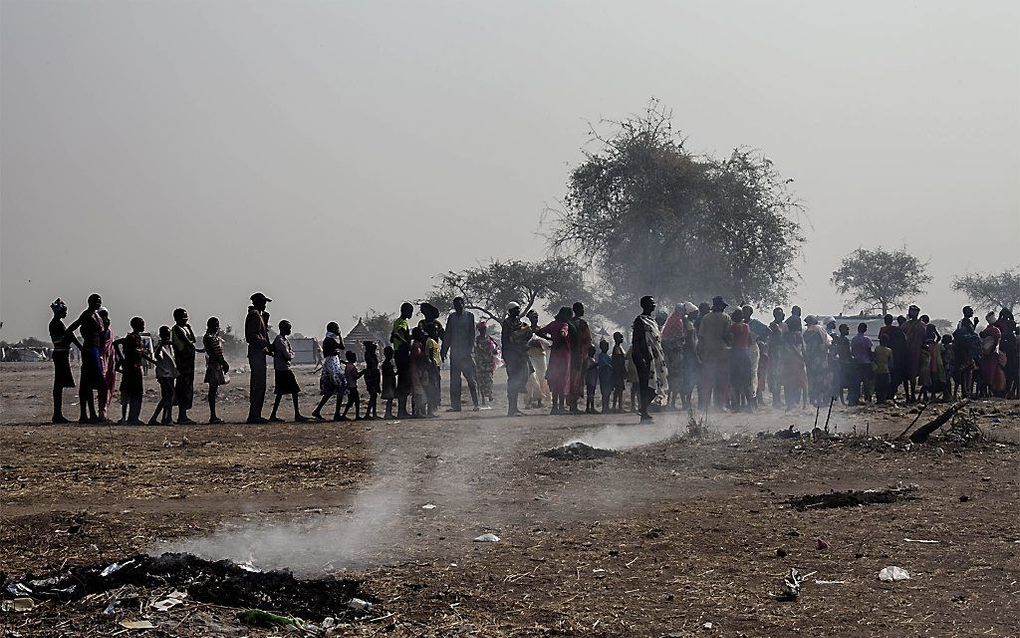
175, 598
791, 585
137, 624
917, 540
893, 573
707, 625
487, 538
428, 506
359, 605
851, 498
248, 566
577, 451
18, 604
830, 582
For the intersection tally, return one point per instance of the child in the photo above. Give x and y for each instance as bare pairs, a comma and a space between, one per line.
130, 351
434, 361
372, 379
591, 381
389, 381
351, 375
949, 366
619, 371
925, 379
883, 369
166, 373
419, 372
216, 367
606, 380
332, 381
286, 383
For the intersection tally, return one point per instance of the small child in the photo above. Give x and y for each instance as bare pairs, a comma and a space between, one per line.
949, 365
372, 379
619, 371
286, 383
419, 373
389, 381
216, 367
130, 352
434, 364
883, 369
924, 368
591, 381
166, 372
351, 373
606, 378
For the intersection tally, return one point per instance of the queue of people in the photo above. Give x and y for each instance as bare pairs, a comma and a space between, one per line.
730, 358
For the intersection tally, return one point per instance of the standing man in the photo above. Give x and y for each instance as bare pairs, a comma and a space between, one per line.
400, 339
714, 338
515, 337
647, 354
256, 333
92, 378
459, 343
579, 356
915, 332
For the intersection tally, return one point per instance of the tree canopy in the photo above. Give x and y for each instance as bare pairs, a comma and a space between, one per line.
489, 288
654, 218
880, 279
378, 323
992, 290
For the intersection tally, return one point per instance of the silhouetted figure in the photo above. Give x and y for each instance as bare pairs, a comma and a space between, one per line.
400, 339
646, 349
351, 373
459, 343
216, 367
389, 381
515, 337
332, 381
90, 325
581, 334
256, 334
286, 382
183, 339
130, 351
373, 379
166, 374
62, 340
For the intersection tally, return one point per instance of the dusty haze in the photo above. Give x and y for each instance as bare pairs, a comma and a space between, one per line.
336, 155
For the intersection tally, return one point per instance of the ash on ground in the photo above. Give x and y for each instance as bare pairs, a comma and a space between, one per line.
577, 451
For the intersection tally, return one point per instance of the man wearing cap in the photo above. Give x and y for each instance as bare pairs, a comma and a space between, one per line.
515, 337
256, 333
714, 339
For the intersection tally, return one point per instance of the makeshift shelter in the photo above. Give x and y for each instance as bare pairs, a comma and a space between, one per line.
356, 338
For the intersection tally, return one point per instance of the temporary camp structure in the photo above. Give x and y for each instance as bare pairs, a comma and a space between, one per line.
356, 338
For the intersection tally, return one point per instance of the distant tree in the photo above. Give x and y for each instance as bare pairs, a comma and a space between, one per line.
378, 323
489, 288
880, 279
654, 218
991, 290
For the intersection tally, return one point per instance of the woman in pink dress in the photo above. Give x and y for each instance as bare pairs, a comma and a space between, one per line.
108, 355
558, 372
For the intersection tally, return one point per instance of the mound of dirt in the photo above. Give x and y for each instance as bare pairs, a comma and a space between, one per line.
577, 451
851, 498
219, 583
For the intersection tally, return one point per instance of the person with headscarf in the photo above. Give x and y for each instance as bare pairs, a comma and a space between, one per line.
649, 359
62, 339
486, 361
515, 337
560, 369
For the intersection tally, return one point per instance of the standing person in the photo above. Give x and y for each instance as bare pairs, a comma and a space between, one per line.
579, 354
256, 334
91, 379
183, 338
842, 362
967, 347
993, 362
673, 335
538, 385
166, 374
883, 357
62, 339
108, 355
916, 333
515, 337
816, 350
591, 381
486, 361
558, 373
131, 352
776, 346
459, 343
794, 369
606, 380
400, 339
389, 381
900, 356
286, 382
863, 361
758, 331
1008, 345
647, 355
373, 379
419, 373
331, 381
619, 372
433, 368
740, 362
714, 338
351, 374
216, 367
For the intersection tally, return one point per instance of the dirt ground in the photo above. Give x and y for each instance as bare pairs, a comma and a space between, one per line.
673, 536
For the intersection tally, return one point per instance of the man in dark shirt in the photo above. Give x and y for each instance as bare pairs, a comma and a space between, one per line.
645, 348
256, 333
515, 337
92, 378
459, 343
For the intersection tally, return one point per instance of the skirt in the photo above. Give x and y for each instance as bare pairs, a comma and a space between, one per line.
389, 387
286, 383
62, 377
92, 377
214, 374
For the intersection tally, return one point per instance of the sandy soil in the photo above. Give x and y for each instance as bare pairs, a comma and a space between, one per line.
669, 535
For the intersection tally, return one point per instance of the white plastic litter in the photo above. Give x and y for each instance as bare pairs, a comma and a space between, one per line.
428, 506
487, 538
175, 598
359, 605
892, 573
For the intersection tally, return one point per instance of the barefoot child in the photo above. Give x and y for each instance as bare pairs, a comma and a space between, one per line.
591, 381
130, 351
373, 379
286, 383
216, 367
351, 373
166, 372
331, 382
605, 364
389, 381
619, 371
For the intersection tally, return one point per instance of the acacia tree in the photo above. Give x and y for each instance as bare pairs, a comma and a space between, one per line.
996, 290
489, 288
378, 323
880, 278
654, 218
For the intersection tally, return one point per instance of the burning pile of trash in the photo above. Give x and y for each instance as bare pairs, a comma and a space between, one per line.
221, 583
577, 451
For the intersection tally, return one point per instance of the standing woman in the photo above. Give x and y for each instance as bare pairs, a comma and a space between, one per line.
183, 339
559, 370
62, 339
993, 362
216, 366
108, 356
486, 353
332, 381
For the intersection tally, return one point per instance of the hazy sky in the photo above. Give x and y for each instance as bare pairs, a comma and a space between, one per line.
338, 154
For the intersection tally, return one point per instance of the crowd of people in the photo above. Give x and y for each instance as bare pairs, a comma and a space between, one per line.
730, 359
